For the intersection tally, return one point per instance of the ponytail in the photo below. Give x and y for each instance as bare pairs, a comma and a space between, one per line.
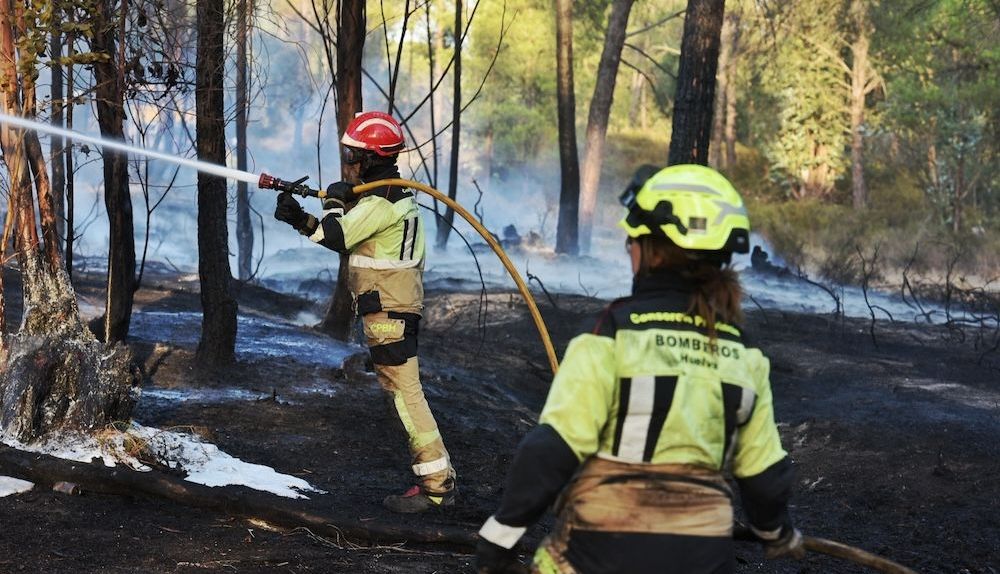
716, 294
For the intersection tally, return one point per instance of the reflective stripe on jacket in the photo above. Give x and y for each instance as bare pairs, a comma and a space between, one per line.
384, 235
651, 387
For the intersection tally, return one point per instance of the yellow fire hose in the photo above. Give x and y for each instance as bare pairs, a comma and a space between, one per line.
543, 332
817, 545
837, 549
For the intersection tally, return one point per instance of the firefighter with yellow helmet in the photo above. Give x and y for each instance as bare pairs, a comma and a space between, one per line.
384, 236
649, 410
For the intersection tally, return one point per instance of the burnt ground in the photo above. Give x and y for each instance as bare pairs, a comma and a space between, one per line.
896, 442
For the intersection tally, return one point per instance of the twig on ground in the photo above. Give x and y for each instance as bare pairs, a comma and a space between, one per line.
532, 277
838, 310
866, 274
579, 281
761, 308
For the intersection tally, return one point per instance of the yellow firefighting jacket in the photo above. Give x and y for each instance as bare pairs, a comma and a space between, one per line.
650, 386
384, 236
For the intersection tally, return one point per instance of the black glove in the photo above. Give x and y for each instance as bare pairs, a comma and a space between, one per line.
789, 545
289, 211
340, 191
494, 559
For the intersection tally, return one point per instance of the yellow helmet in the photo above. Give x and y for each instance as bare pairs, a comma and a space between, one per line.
692, 205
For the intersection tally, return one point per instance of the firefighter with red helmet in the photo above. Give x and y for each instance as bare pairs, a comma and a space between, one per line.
382, 232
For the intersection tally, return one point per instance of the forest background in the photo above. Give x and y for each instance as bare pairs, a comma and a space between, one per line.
850, 126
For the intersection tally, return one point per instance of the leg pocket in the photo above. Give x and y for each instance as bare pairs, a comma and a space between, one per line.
381, 330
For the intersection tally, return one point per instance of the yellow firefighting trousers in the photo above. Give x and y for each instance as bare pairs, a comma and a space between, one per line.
386, 330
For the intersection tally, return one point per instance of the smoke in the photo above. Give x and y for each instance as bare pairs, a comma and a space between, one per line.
284, 130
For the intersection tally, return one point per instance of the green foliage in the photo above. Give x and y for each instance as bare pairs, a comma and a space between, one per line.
518, 100
804, 98
750, 175
527, 132
943, 104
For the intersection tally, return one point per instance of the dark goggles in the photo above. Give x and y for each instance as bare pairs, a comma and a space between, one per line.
628, 197
352, 155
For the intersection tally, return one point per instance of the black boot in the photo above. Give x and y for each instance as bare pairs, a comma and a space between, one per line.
416, 500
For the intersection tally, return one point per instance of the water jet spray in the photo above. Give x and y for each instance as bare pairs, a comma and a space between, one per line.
298, 187
202, 166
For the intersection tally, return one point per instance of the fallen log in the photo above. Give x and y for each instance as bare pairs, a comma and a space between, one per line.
232, 500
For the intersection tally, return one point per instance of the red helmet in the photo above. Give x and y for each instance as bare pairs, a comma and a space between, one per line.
374, 131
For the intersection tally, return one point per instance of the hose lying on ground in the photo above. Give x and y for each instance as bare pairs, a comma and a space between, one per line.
837, 549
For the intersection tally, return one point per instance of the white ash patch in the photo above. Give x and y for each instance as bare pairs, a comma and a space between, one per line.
203, 462
9, 486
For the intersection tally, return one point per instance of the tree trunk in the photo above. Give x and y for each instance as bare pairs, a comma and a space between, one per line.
54, 374
339, 315
716, 157
597, 120
435, 47
58, 143
960, 191
36, 158
12, 142
68, 155
567, 239
731, 95
218, 325
38, 171
111, 116
46, 205
692, 123
636, 111
859, 81
244, 226
731, 98
443, 231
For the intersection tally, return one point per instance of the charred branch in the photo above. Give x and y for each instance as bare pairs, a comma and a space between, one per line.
867, 270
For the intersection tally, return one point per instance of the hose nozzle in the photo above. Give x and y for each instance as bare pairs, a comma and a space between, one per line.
270, 182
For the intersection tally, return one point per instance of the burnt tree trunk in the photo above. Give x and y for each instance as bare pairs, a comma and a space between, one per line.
218, 326
435, 46
695, 98
443, 231
339, 315
567, 238
54, 374
68, 153
58, 119
597, 120
244, 226
108, 97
